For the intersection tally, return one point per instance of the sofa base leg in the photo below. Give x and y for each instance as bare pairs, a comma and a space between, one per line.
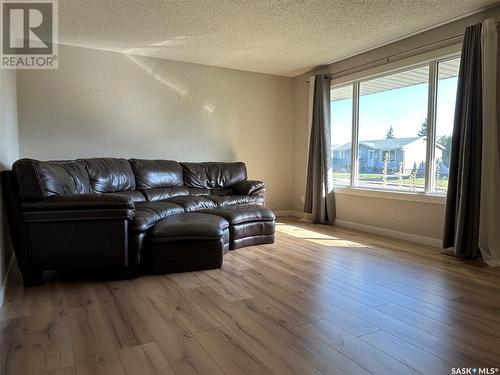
131, 273
32, 278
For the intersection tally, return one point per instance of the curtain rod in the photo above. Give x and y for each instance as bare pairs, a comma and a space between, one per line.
389, 57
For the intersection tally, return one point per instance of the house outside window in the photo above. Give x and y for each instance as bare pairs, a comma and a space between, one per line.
402, 124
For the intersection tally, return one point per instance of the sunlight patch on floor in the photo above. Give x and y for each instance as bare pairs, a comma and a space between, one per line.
315, 236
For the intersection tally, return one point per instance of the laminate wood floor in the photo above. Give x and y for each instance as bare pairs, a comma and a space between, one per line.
319, 301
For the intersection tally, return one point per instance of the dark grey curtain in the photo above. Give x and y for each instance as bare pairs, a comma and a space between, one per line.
461, 229
319, 199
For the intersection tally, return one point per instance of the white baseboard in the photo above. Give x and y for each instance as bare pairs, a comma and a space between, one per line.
282, 213
434, 242
493, 263
3, 287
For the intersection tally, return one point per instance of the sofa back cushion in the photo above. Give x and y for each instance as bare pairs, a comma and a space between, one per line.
108, 175
150, 174
42, 179
211, 175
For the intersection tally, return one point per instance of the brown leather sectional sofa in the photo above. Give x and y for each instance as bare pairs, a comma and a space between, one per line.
114, 213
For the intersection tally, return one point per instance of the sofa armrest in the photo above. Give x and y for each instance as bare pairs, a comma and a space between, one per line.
80, 202
249, 187
79, 207
77, 215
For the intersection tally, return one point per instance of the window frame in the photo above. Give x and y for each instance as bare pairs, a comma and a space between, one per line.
432, 62
389, 151
371, 155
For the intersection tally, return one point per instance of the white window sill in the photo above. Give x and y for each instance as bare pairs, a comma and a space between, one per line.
393, 195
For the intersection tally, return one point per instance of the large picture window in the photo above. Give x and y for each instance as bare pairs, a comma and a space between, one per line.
445, 111
401, 124
341, 123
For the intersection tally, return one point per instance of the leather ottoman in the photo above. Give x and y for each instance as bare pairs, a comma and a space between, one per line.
248, 225
188, 242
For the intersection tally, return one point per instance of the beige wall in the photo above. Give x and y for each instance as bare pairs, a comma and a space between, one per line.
416, 218
8, 154
107, 104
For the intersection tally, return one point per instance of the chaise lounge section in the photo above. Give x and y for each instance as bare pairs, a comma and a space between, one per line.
248, 225
109, 212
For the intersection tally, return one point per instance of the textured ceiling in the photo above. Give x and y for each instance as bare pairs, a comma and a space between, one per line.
269, 36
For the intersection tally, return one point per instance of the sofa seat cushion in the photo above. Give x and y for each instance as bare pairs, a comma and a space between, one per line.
148, 214
134, 195
196, 192
236, 200
221, 191
193, 203
161, 194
